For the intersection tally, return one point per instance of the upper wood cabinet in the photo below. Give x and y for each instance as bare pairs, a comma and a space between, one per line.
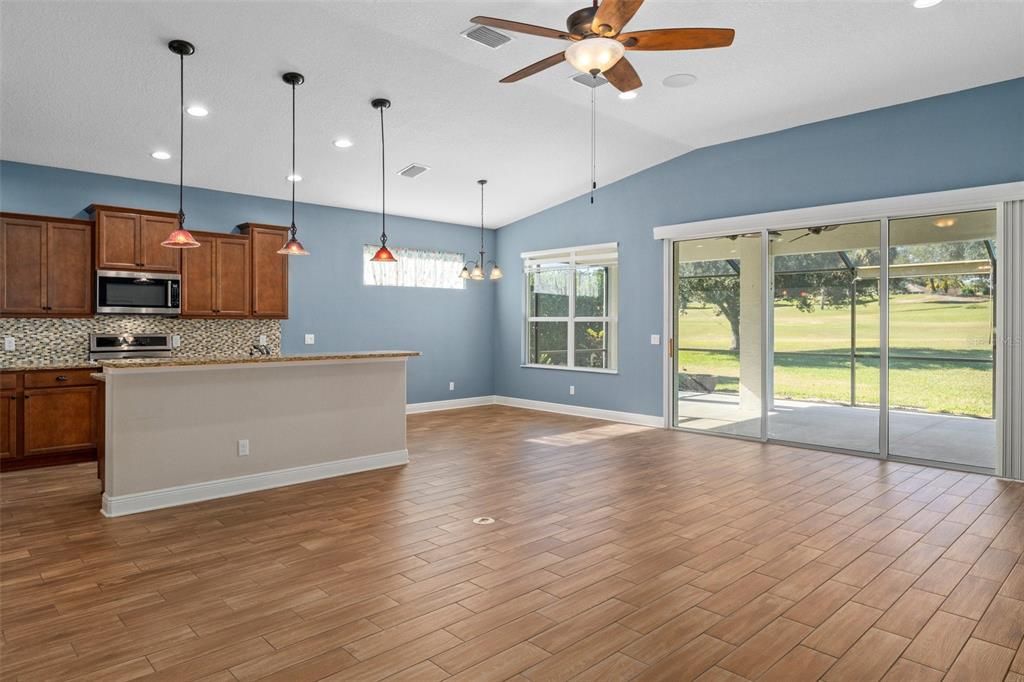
215, 276
269, 269
45, 266
129, 239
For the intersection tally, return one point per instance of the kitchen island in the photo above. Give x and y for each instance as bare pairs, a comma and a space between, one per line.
190, 429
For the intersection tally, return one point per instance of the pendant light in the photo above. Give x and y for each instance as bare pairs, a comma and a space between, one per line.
181, 238
383, 254
475, 269
293, 247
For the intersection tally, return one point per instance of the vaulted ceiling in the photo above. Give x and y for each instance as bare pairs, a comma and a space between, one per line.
91, 86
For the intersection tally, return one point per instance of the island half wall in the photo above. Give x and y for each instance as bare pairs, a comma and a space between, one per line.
177, 430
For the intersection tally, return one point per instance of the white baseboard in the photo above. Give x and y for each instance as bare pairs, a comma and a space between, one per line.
580, 411
457, 403
226, 487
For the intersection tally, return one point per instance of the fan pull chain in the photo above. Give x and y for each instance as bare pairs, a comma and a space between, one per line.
593, 141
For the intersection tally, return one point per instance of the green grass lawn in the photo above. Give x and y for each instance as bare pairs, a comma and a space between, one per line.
926, 328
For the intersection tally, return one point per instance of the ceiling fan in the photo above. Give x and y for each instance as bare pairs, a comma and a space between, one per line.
598, 44
772, 235
817, 231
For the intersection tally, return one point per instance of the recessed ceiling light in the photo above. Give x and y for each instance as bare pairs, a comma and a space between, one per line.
197, 110
294, 178
160, 155
343, 143
679, 80
628, 95
925, 4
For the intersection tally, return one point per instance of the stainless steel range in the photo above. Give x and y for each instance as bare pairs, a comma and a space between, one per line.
122, 346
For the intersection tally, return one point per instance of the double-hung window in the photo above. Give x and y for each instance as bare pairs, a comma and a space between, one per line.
571, 313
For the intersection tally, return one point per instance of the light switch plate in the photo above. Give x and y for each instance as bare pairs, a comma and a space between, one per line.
572, 390
310, 339
176, 341
263, 339
655, 339
243, 447
451, 385
8, 343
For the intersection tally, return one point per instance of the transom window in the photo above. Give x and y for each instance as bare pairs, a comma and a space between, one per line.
415, 268
571, 316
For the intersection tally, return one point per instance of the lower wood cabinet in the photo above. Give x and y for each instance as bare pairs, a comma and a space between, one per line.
8, 425
50, 417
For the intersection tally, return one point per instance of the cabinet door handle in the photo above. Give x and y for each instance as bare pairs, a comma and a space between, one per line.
62, 378
14, 397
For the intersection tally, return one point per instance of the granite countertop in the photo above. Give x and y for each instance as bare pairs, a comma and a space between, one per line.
60, 364
247, 359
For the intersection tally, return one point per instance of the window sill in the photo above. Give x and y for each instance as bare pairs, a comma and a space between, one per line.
592, 370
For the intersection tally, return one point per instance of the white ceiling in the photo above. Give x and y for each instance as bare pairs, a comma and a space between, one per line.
91, 86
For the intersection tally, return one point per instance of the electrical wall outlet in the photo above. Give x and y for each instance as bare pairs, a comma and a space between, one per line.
310, 339
451, 385
243, 447
263, 339
572, 390
655, 339
176, 341
8, 344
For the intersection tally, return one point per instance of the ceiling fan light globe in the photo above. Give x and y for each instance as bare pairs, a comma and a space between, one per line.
592, 54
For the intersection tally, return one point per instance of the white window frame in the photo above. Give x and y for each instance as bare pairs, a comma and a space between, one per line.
574, 258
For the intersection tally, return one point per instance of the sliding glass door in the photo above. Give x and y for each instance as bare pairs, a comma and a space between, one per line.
942, 286
718, 378
825, 336
876, 336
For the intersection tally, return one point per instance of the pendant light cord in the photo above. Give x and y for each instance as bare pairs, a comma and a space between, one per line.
181, 145
294, 178
383, 186
593, 141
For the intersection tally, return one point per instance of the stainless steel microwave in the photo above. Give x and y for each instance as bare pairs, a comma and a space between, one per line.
138, 293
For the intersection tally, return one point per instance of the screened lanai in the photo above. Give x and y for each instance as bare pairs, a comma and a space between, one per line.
808, 351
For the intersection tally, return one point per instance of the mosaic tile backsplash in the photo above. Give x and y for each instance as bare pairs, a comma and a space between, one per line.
46, 341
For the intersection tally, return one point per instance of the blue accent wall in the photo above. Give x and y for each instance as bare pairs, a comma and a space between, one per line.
964, 139
326, 293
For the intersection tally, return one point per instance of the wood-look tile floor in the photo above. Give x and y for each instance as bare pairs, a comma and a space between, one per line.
618, 552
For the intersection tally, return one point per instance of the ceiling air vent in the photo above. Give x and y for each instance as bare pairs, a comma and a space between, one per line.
413, 169
588, 80
486, 36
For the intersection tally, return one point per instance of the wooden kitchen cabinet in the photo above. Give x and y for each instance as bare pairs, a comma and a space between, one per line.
268, 270
59, 420
49, 417
8, 424
215, 276
129, 239
45, 266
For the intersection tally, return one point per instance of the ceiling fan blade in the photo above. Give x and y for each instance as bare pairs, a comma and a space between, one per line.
678, 38
612, 16
623, 76
536, 67
519, 27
